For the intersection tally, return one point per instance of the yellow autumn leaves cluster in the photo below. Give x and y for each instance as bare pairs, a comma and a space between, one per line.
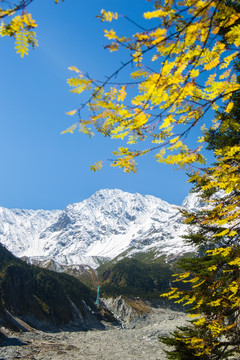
20, 28
191, 73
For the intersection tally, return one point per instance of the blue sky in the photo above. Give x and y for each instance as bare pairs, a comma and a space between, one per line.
40, 168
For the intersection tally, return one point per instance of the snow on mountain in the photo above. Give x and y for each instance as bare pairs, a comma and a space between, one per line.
19, 229
96, 229
193, 202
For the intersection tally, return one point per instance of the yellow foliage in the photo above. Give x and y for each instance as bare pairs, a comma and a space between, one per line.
222, 233
164, 102
229, 107
97, 166
111, 34
156, 13
215, 303
235, 262
200, 321
72, 112
122, 93
70, 129
21, 43
171, 292
108, 15
212, 268
74, 68
233, 36
20, 28
219, 251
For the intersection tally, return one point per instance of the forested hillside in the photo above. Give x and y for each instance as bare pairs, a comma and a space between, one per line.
42, 298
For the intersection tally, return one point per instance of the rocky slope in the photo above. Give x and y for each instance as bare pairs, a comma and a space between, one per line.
109, 223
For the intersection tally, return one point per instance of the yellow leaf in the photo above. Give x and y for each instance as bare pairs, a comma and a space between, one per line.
21, 43
233, 35
212, 268
108, 15
229, 107
110, 34
157, 13
97, 166
222, 233
122, 93
223, 251
70, 129
215, 303
232, 233
72, 112
74, 68
212, 64
235, 262
199, 322
160, 155
194, 73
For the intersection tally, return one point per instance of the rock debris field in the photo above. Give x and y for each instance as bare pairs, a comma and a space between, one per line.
137, 341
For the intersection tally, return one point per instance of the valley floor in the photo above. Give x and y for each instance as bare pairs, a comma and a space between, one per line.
138, 341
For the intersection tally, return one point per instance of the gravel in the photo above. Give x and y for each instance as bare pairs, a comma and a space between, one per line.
137, 341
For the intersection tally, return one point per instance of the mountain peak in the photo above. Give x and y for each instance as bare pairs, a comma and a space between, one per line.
103, 226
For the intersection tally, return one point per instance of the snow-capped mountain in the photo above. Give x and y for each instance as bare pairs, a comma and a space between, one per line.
100, 228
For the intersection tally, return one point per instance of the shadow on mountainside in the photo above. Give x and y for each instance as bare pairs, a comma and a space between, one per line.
9, 341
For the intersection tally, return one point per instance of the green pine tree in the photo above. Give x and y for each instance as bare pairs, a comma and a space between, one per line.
214, 273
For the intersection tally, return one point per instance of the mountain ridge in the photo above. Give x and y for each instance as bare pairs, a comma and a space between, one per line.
97, 229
